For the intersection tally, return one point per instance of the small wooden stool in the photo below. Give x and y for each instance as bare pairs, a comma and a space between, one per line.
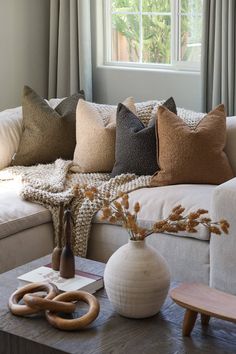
209, 302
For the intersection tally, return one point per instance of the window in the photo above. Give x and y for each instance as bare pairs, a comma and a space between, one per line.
166, 33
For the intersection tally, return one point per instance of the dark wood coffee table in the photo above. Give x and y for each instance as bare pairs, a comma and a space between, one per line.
110, 333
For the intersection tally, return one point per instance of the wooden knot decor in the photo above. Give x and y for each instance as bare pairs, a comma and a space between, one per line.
24, 310
77, 323
53, 303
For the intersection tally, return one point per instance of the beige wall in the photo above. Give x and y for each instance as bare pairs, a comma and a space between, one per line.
24, 31
113, 85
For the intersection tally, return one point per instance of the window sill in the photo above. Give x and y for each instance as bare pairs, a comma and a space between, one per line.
155, 69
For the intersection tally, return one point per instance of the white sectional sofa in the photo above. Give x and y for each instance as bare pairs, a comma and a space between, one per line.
26, 230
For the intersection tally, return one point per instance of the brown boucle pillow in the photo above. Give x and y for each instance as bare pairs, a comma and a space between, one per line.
192, 155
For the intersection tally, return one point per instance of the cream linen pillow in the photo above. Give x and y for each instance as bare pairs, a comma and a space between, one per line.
10, 133
95, 136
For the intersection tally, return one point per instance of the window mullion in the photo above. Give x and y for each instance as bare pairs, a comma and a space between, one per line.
108, 26
140, 31
178, 30
174, 31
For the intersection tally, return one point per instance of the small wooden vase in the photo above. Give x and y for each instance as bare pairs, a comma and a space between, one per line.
56, 257
67, 263
56, 253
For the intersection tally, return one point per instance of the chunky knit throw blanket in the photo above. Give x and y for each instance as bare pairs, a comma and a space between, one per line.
52, 184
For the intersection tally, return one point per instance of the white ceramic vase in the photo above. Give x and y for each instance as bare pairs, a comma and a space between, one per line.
137, 280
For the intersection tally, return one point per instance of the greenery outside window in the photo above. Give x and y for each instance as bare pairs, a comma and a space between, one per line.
161, 33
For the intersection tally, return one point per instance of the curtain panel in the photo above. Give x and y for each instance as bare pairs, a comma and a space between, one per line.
219, 55
70, 63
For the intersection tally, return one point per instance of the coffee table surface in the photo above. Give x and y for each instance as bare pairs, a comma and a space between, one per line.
109, 333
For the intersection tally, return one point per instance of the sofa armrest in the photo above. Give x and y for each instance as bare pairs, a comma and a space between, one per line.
223, 248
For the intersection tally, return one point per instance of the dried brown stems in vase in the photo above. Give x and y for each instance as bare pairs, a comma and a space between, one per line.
118, 212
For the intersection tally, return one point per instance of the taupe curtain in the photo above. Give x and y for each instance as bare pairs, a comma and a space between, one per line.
219, 55
70, 48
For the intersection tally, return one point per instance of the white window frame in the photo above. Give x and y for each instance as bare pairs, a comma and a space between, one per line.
175, 64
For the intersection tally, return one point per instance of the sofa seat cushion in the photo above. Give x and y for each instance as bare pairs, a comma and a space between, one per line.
157, 203
17, 215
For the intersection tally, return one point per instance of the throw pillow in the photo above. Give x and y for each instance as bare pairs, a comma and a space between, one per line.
145, 110
191, 118
230, 146
95, 136
135, 143
192, 155
10, 134
48, 133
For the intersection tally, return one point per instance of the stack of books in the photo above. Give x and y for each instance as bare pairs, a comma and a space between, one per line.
82, 281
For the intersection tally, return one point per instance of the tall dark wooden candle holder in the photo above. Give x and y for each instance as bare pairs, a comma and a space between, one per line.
67, 262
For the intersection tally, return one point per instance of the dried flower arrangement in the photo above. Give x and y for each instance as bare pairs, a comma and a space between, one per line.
118, 211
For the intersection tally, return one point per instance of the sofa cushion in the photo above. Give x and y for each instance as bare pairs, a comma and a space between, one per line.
11, 125
157, 203
135, 145
191, 118
145, 110
192, 155
136, 148
95, 136
16, 214
230, 148
10, 134
48, 133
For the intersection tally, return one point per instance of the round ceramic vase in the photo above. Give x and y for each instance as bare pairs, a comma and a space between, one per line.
137, 280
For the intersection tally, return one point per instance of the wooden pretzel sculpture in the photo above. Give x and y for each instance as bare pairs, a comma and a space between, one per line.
77, 323
53, 303
24, 310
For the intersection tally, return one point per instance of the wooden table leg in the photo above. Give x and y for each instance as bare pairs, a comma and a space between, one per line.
205, 319
189, 322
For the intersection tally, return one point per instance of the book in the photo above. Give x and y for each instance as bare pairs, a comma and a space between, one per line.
82, 281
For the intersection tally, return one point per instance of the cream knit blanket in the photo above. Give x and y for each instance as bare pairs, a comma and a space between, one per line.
52, 184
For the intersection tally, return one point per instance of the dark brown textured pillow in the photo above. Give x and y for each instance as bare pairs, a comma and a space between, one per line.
135, 143
48, 133
192, 155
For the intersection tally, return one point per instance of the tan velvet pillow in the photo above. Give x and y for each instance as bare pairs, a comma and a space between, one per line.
95, 136
192, 155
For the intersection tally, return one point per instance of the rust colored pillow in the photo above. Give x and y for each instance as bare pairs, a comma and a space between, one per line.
192, 155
